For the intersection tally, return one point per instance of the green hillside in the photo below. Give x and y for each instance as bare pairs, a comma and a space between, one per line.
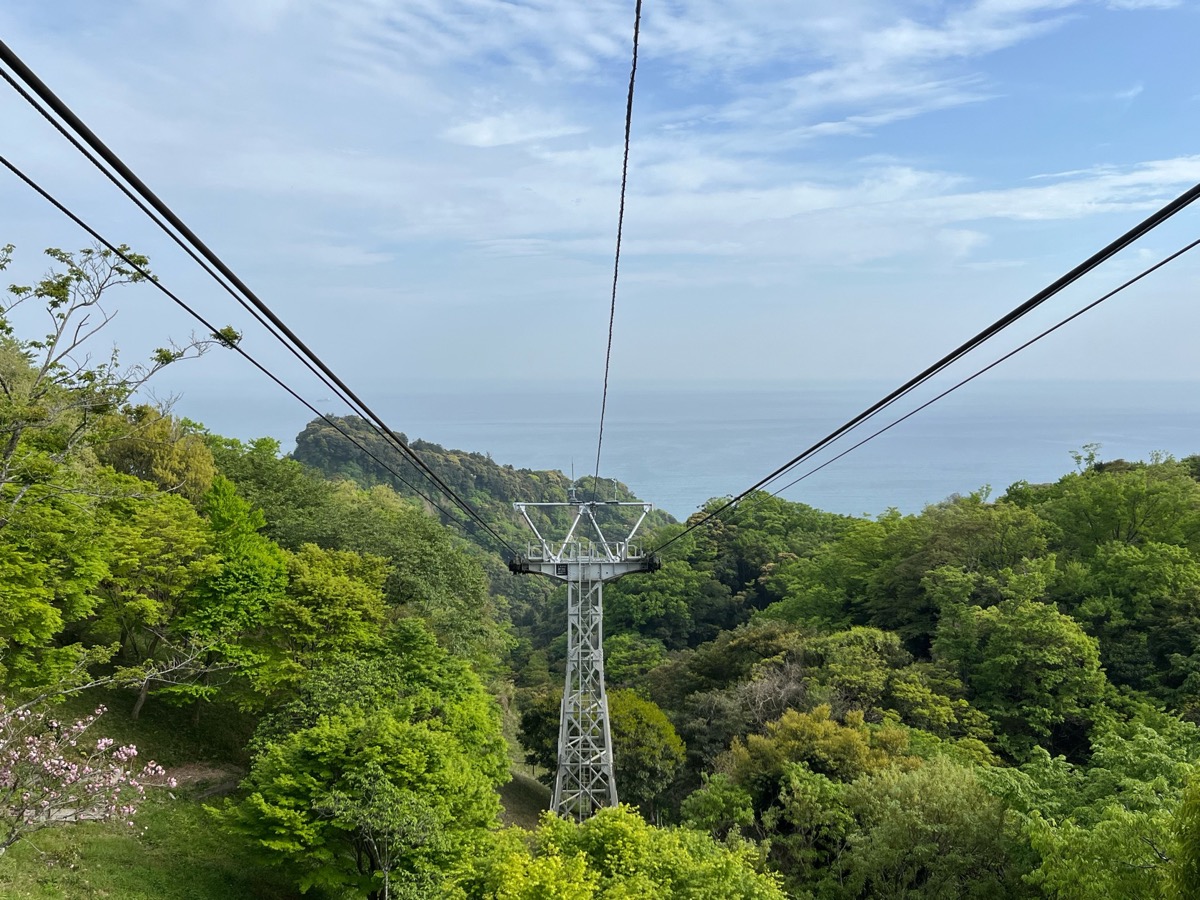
488, 486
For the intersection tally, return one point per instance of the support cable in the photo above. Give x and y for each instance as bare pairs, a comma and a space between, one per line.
1141, 229
950, 390
118, 252
89, 137
612, 310
166, 229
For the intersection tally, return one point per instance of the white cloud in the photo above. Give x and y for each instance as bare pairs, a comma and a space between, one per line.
1144, 4
470, 150
510, 127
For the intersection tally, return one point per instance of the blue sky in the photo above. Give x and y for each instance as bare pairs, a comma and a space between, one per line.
427, 190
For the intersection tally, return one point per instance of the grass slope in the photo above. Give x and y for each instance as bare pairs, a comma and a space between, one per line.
173, 852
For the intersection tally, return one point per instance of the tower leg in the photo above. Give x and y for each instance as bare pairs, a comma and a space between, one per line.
584, 781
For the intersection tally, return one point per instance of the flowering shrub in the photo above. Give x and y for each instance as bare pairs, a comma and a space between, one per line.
51, 774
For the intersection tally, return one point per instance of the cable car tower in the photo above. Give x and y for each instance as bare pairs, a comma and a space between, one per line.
584, 779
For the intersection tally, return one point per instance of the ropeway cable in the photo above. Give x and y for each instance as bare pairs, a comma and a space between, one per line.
213, 330
89, 137
950, 390
1141, 229
612, 309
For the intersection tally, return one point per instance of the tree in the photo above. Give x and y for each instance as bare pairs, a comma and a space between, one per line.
647, 752
158, 551
163, 450
430, 572
380, 774
1104, 830
52, 559
719, 806
54, 401
409, 674
1030, 668
934, 833
1184, 872
360, 800
808, 828
831, 748
1130, 503
51, 774
629, 656
222, 625
333, 604
58, 406
614, 854
664, 607
1141, 603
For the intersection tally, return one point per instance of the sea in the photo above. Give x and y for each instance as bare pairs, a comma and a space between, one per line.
679, 445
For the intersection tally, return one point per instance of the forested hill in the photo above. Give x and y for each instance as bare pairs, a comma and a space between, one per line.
490, 487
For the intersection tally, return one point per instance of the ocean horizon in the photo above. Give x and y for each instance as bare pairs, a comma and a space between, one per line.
677, 446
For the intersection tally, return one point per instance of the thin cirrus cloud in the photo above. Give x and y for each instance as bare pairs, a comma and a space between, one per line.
469, 145
509, 128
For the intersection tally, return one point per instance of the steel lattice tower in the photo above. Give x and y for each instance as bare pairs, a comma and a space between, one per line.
584, 779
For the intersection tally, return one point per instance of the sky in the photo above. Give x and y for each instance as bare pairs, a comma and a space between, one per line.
426, 191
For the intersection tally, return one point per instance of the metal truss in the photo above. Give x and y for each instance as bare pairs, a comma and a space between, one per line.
584, 779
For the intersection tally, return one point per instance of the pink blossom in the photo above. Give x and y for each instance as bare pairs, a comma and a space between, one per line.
48, 776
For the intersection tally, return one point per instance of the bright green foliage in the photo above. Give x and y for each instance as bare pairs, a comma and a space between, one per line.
1121, 855
383, 768
873, 574
1132, 504
53, 409
296, 502
965, 533
430, 572
1029, 667
647, 752
409, 674
795, 777
817, 589
225, 620
164, 451
1105, 830
253, 573
718, 807
333, 604
51, 561
828, 747
158, 551
313, 803
508, 869
1184, 872
1143, 604
933, 833
616, 855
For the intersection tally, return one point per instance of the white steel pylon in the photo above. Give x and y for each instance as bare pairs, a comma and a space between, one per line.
584, 779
